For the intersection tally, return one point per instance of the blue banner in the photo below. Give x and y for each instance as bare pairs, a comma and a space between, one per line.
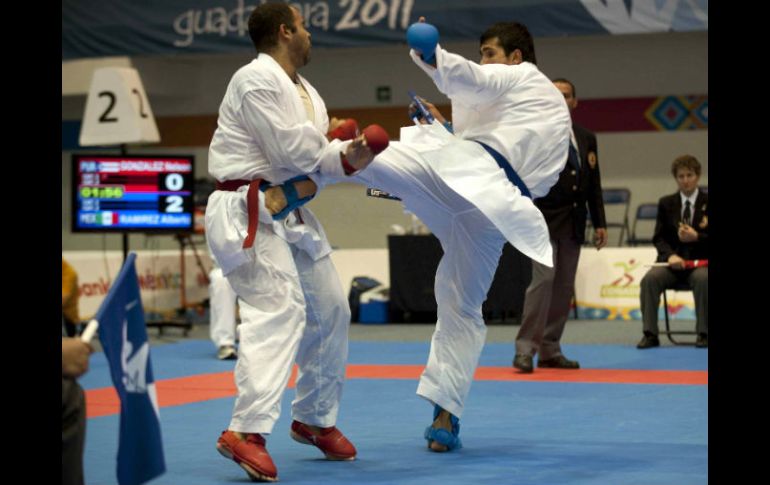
98, 28
123, 335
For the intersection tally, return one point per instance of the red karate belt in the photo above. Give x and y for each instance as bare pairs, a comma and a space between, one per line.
252, 203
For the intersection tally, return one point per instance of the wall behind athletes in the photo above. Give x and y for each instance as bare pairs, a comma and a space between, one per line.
629, 88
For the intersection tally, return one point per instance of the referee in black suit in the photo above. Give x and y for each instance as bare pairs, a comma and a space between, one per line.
548, 297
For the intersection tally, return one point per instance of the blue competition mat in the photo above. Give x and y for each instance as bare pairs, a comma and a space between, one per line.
522, 433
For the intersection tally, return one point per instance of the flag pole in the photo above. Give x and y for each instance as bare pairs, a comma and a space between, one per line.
89, 331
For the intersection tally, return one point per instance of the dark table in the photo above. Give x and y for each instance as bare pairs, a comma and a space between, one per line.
413, 264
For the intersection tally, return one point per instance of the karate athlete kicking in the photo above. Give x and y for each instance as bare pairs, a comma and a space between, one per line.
474, 190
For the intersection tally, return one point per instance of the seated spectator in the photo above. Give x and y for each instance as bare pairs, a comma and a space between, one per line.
681, 235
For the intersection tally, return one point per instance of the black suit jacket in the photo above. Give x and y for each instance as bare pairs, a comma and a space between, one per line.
564, 206
666, 239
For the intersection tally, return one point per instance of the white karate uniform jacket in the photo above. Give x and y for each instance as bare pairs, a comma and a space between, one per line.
517, 111
263, 132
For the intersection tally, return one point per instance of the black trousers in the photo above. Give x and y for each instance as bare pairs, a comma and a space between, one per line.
73, 431
547, 302
655, 282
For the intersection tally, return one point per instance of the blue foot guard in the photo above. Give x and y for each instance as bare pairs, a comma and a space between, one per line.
442, 436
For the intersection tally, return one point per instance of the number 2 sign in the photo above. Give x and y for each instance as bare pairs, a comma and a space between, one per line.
117, 110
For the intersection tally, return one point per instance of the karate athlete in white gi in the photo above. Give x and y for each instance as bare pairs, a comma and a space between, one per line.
271, 127
455, 186
222, 301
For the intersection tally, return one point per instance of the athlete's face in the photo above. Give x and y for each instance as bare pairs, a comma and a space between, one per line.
300, 43
493, 53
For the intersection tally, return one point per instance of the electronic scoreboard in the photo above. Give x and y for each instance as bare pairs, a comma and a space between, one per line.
140, 193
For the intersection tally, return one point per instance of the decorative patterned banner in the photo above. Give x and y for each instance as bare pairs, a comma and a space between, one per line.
679, 113
665, 113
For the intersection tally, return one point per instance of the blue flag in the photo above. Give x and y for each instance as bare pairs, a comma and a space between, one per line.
123, 335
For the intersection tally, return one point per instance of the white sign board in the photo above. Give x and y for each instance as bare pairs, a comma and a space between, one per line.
159, 273
607, 285
117, 110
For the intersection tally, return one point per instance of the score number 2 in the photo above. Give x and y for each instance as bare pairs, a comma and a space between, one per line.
174, 203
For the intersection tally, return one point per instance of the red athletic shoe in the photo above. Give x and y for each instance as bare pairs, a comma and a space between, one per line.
250, 454
331, 441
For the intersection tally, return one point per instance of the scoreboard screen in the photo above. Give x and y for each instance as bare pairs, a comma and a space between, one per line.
140, 193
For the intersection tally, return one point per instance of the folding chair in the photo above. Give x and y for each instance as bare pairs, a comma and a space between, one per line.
620, 197
669, 332
644, 212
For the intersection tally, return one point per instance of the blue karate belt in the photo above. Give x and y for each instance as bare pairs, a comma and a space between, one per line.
509, 171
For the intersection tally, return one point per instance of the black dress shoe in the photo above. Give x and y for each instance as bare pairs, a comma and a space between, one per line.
702, 341
648, 341
558, 362
523, 363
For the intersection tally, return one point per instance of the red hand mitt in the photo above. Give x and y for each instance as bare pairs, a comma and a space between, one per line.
376, 138
347, 130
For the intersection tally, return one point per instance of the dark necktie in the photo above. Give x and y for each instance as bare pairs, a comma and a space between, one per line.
572, 159
687, 216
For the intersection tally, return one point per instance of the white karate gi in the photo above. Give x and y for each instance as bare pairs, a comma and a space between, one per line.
292, 305
222, 301
457, 189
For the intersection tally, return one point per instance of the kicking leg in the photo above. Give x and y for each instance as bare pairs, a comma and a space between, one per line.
472, 251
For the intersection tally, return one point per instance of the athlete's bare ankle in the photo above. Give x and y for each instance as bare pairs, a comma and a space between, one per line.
443, 420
